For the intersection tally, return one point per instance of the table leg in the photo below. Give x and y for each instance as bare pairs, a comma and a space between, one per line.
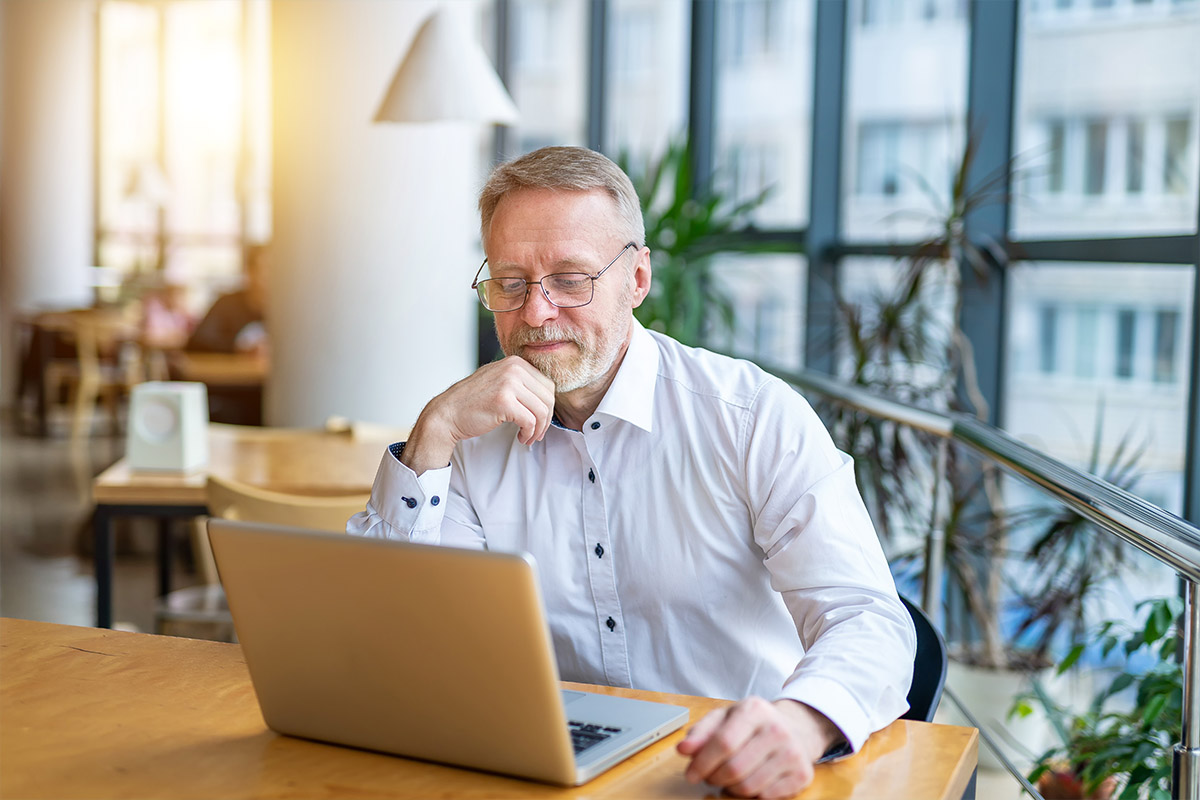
105, 551
45, 355
166, 555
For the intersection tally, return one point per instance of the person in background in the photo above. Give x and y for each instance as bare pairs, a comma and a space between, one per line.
234, 322
695, 528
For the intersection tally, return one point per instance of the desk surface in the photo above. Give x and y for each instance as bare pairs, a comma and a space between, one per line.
310, 462
91, 713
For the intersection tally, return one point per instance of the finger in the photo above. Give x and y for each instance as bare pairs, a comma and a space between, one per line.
698, 734
737, 728
746, 762
541, 411
785, 772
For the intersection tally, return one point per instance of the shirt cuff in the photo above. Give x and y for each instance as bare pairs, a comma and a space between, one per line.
835, 702
407, 501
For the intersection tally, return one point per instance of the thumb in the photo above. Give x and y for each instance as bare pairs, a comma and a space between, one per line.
698, 734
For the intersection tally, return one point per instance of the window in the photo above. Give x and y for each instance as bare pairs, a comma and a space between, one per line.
904, 126
1126, 328
1048, 339
183, 167
1055, 172
1166, 335
1135, 156
1095, 157
764, 105
1175, 165
548, 74
647, 103
1086, 339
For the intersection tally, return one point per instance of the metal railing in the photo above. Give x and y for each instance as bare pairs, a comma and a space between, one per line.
1162, 535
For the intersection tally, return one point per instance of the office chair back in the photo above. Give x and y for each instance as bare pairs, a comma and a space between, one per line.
929, 667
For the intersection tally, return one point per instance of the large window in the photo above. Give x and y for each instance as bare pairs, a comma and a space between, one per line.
184, 167
1085, 119
1108, 118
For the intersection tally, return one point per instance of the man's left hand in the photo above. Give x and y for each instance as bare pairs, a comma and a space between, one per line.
756, 748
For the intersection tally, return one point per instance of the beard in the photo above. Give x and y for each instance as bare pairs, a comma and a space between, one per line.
589, 363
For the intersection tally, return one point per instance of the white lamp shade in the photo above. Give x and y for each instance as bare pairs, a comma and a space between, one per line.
446, 76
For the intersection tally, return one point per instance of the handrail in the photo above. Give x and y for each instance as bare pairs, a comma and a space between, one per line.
1163, 535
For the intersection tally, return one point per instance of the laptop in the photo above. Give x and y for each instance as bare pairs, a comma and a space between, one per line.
428, 652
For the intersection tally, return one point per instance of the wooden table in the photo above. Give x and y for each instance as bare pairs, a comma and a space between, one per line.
93, 713
308, 462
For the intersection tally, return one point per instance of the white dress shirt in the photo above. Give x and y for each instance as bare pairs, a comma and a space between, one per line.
701, 535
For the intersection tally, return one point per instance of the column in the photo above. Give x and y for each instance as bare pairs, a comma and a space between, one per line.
374, 238
47, 79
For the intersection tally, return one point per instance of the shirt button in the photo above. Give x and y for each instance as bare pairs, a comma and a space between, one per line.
595, 426
611, 623
410, 502
435, 500
599, 551
592, 475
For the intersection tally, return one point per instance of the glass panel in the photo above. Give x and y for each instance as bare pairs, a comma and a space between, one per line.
764, 105
1107, 113
1103, 348
184, 158
767, 292
905, 113
548, 72
647, 77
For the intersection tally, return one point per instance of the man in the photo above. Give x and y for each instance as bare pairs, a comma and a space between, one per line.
695, 529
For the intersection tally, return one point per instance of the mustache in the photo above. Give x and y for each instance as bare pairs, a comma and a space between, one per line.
546, 333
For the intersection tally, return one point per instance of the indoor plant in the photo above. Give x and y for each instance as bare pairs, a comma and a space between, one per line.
1119, 742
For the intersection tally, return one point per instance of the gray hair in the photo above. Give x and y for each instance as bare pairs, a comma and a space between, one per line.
569, 169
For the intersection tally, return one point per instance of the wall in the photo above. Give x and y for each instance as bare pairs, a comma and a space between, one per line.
375, 241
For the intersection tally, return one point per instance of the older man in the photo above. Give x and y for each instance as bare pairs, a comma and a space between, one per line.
695, 527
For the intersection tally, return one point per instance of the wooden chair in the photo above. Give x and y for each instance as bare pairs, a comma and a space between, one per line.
106, 362
367, 431
229, 499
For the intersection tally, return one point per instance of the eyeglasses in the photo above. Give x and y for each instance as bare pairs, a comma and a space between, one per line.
562, 289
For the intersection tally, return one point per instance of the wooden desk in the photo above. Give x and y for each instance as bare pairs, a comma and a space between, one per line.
95, 714
309, 462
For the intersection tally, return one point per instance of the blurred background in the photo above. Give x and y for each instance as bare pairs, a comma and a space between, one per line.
158, 155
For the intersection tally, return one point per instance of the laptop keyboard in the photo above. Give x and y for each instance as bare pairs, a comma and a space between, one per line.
586, 734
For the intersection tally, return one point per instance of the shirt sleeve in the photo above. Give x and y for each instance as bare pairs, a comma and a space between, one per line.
824, 557
404, 505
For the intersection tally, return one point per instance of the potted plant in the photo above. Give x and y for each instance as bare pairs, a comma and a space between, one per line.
1118, 744
1014, 579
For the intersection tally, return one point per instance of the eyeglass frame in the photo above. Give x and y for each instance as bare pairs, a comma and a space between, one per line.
529, 284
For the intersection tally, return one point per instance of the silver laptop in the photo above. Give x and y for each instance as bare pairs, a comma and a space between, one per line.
435, 653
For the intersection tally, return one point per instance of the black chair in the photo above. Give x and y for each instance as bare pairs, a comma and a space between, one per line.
929, 667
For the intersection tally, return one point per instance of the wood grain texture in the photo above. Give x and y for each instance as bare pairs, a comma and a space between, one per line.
91, 713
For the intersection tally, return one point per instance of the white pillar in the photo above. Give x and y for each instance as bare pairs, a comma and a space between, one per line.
47, 75
374, 240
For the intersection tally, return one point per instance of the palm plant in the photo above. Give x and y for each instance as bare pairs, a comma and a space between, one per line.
688, 222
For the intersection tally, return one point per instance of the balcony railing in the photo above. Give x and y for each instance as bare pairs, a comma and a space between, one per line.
1164, 536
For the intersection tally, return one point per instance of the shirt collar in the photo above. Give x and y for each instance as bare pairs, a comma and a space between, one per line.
631, 395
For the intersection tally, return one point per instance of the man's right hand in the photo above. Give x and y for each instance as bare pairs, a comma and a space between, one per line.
511, 390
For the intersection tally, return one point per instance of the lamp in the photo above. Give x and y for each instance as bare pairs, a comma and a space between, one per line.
446, 76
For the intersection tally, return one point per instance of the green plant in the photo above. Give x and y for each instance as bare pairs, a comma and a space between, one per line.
687, 223
1113, 738
904, 342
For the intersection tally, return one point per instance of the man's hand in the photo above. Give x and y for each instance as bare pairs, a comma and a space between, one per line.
756, 748
510, 390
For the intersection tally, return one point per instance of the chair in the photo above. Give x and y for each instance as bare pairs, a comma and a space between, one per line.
229, 499
106, 362
929, 667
